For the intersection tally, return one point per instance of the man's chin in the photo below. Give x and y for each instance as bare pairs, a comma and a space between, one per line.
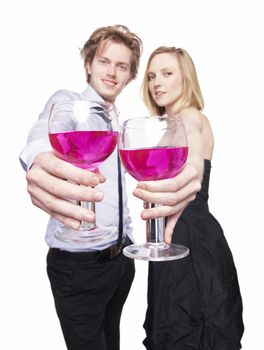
110, 96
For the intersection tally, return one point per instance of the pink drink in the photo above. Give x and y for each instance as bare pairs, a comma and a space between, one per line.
84, 149
154, 163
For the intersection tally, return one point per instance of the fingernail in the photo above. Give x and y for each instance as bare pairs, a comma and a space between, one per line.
75, 225
141, 185
94, 180
137, 193
146, 215
89, 217
98, 196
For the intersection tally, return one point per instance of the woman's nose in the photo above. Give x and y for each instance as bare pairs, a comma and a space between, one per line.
157, 82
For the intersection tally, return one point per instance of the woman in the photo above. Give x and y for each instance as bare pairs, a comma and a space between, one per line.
195, 302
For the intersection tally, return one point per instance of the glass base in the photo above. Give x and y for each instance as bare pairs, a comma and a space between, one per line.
156, 251
86, 237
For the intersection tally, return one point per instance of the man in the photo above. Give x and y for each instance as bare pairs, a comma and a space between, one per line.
90, 287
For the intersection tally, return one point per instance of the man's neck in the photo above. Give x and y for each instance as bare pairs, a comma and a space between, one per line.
96, 96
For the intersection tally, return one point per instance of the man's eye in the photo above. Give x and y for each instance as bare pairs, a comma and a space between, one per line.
102, 61
123, 67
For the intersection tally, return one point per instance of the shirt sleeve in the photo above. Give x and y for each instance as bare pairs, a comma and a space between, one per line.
38, 139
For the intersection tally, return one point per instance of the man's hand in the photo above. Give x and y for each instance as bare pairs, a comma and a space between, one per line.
50, 191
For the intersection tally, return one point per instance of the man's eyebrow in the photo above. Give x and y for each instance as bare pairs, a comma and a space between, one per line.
121, 62
118, 62
101, 56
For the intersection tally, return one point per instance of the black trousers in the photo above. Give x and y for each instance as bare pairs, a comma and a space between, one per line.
89, 297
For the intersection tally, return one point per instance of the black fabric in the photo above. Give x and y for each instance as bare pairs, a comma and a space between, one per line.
89, 297
101, 256
195, 302
120, 203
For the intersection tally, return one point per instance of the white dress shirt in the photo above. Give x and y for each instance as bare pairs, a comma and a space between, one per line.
107, 211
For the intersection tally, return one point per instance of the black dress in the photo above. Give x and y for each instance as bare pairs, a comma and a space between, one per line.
195, 302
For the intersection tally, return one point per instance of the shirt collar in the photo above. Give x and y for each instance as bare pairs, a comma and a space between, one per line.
90, 93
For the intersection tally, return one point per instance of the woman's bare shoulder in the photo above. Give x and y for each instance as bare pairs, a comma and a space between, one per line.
196, 121
192, 116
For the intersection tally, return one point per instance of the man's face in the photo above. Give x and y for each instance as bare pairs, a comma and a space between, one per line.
110, 69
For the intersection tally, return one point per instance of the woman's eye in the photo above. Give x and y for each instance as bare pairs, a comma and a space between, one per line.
167, 73
150, 77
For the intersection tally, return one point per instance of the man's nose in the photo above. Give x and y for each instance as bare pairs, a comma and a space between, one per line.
111, 70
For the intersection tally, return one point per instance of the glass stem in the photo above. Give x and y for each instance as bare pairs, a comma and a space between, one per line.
155, 227
91, 207
84, 225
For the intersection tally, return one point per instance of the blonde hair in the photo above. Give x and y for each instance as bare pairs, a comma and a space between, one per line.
116, 33
191, 94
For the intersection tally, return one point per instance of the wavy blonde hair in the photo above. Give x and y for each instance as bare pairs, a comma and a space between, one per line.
191, 94
118, 34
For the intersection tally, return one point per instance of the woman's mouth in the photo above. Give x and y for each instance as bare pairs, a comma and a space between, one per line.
159, 93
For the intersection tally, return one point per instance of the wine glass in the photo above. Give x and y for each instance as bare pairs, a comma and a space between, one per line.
154, 148
81, 133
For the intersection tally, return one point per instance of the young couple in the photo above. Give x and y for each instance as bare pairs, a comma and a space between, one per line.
193, 303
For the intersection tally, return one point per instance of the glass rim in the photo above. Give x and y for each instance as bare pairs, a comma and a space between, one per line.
82, 100
108, 107
161, 117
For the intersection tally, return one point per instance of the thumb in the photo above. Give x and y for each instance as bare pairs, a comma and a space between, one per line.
171, 223
101, 177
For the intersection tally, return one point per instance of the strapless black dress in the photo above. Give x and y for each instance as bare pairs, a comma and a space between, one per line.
195, 302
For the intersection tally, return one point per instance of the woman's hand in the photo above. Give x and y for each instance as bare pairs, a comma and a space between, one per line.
174, 194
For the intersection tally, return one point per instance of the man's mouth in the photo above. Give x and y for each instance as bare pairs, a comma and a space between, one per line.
109, 82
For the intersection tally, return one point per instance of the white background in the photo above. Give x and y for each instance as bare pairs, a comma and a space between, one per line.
40, 43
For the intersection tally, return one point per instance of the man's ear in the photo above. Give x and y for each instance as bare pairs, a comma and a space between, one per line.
88, 68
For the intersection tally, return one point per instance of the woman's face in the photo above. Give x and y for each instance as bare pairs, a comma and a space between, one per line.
165, 80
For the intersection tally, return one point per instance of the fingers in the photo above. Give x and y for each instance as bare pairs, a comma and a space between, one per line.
40, 182
189, 174
48, 174
171, 223
52, 193
175, 194
171, 212
63, 170
162, 211
75, 224
100, 176
173, 199
65, 211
